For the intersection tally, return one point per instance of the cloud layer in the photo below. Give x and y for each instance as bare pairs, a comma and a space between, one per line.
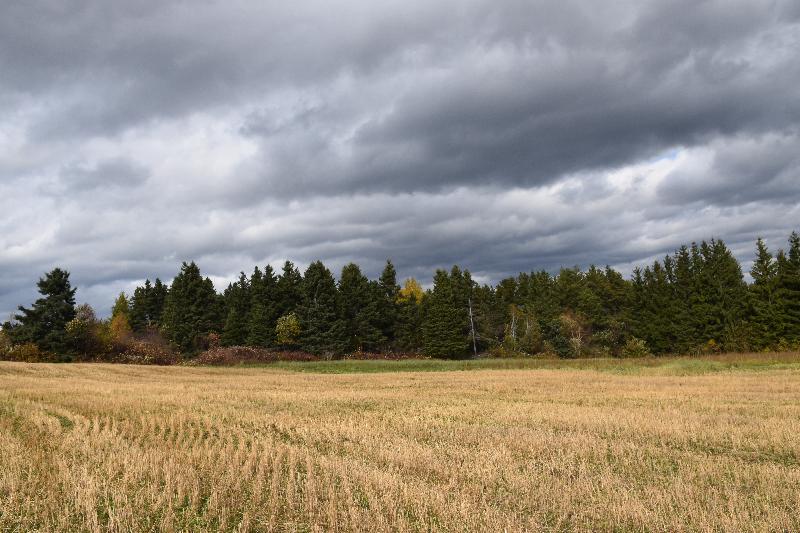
503, 136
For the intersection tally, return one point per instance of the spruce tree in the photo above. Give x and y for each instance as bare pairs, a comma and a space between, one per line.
263, 308
445, 326
765, 311
323, 331
191, 309
683, 284
788, 282
388, 294
361, 303
155, 302
45, 321
289, 290
139, 317
237, 309
408, 330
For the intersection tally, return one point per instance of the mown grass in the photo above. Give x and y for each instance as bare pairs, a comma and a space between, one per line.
675, 366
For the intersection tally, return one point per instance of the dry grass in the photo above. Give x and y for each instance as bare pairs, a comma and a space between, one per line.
123, 448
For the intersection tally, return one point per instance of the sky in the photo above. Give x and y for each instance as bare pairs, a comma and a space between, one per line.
500, 135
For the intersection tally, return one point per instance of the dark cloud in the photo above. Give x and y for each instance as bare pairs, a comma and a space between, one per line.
504, 136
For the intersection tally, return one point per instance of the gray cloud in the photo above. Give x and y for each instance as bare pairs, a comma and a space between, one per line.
504, 136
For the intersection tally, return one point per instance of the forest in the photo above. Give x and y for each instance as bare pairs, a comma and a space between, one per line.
694, 301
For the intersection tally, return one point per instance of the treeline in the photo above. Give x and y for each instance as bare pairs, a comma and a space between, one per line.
693, 301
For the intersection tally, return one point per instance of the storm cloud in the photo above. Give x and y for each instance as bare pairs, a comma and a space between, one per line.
501, 135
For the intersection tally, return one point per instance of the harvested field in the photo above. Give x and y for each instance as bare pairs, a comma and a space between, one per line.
124, 448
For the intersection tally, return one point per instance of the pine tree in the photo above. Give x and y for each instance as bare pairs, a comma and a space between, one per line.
323, 331
765, 312
191, 309
45, 321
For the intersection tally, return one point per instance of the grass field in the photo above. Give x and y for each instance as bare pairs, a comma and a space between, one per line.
707, 444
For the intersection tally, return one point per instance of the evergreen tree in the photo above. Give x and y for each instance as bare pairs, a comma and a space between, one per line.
237, 309
765, 312
408, 330
788, 282
191, 309
361, 304
446, 319
263, 308
568, 286
727, 298
683, 284
289, 290
155, 303
387, 311
323, 331
139, 317
45, 321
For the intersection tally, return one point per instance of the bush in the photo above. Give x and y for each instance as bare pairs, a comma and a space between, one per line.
787, 346
5, 345
237, 355
635, 348
287, 330
137, 352
709, 348
28, 353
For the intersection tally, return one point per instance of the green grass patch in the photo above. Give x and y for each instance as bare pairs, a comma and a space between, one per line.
674, 366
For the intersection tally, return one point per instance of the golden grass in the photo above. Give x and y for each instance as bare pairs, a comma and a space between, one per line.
122, 448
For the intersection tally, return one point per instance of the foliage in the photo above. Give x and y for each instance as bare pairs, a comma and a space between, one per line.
446, 319
191, 309
364, 308
247, 355
5, 344
28, 352
84, 333
323, 328
694, 300
137, 352
44, 323
287, 330
635, 348
119, 329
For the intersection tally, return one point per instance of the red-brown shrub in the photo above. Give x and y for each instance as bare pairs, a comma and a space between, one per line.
237, 355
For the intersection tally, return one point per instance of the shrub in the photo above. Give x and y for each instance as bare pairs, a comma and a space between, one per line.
237, 355
28, 353
635, 348
5, 345
137, 352
709, 348
287, 330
